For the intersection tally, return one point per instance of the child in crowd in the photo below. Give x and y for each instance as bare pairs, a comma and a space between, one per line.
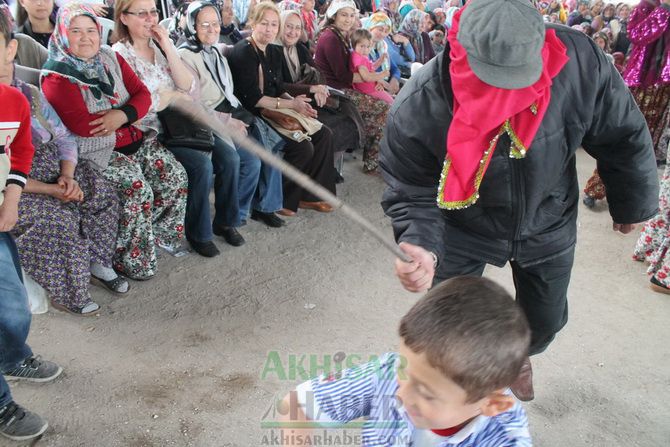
361, 42
461, 346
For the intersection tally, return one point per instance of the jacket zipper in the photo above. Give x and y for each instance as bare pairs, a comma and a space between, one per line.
516, 168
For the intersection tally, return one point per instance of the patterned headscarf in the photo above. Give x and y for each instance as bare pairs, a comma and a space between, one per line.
405, 7
381, 47
93, 74
411, 24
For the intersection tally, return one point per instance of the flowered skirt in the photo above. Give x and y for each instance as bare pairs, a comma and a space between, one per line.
595, 188
373, 111
59, 241
654, 103
152, 186
654, 241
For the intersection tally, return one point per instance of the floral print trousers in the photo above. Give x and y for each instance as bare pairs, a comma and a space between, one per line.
59, 241
152, 187
373, 111
654, 241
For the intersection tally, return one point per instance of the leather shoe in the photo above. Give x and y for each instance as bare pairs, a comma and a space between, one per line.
206, 249
269, 219
230, 234
286, 212
523, 385
322, 207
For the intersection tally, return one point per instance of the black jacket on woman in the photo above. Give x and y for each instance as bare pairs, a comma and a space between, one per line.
527, 209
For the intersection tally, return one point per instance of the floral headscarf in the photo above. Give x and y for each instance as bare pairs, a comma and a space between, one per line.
380, 48
411, 28
93, 74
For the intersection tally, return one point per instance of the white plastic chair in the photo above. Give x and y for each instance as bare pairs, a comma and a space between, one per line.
107, 28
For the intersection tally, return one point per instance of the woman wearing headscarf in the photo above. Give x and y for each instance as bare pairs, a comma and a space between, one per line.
413, 27
240, 189
380, 26
98, 97
300, 77
68, 213
229, 33
333, 51
648, 70
390, 8
259, 86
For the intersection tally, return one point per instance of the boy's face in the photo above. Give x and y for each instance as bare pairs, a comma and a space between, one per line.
431, 399
7, 53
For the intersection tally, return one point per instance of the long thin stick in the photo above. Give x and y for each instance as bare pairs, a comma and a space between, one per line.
198, 113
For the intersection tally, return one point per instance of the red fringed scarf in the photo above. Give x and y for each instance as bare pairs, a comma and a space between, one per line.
482, 113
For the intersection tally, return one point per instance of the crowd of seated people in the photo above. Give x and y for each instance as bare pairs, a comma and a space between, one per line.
107, 187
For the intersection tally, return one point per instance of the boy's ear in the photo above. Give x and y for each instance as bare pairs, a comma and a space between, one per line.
12, 47
496, 403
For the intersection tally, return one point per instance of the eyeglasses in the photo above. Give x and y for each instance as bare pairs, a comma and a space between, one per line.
209, 25
143, 14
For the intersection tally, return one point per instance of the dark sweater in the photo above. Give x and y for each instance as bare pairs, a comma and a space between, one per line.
332, 60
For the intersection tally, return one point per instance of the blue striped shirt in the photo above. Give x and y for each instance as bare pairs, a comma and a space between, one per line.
369, 391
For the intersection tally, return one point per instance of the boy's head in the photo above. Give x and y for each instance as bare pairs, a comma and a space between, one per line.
361, 41
8, 46
464, 343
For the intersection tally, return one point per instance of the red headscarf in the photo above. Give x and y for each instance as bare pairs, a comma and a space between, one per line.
482, 113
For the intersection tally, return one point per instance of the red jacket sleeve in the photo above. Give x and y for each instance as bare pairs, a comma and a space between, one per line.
21, 150
68, 102
140, 97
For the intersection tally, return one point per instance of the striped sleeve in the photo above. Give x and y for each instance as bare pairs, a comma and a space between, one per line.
345, 396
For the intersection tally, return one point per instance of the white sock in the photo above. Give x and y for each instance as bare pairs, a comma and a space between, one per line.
102, 272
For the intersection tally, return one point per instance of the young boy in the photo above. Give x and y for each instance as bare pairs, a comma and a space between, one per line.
16, 154
461, 346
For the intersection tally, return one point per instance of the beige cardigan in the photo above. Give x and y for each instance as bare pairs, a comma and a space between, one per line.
211, 94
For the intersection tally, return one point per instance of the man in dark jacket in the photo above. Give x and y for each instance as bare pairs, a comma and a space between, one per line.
519, 205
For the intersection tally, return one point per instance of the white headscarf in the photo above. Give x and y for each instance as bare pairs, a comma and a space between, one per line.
336, 5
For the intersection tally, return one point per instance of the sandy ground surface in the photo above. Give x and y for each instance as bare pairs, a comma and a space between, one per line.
179, 362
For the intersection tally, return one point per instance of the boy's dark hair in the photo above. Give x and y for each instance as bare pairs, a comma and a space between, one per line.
6, 27
472, 331
358, 35
439, 27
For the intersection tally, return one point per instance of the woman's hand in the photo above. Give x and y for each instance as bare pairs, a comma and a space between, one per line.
57, 191
70, 189
108, 123
161, 36
238, 126
399, 38
99, 9
394, 86
320, 93
301, 105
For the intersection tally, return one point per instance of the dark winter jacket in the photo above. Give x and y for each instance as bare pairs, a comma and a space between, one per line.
527, 208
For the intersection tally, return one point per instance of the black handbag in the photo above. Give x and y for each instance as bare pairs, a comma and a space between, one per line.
179, 130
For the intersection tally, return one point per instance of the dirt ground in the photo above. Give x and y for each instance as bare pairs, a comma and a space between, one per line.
183, 359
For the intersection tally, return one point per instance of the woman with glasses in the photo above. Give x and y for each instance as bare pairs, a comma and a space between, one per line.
147, 48
263, 196
98, 97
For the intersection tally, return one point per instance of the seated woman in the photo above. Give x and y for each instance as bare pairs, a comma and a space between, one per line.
34, 18
98, 97
68, 213
148, 50
300, 77
229, 34
415, 27
333, 51
200, 54
259, 86
379, 25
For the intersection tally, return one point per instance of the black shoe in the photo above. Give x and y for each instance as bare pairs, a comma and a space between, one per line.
206, 249
34, 369
590, 202
338, 178
19, 424
231, 235
269, 219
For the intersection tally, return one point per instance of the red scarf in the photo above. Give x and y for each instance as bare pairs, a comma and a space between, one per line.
482, 113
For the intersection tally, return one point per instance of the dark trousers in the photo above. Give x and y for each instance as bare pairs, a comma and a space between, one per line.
314, 158
541, 291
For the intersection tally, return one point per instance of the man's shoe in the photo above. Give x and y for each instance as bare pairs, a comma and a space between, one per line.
231, 235
523, 385
19, 424
34, 369
269, 219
